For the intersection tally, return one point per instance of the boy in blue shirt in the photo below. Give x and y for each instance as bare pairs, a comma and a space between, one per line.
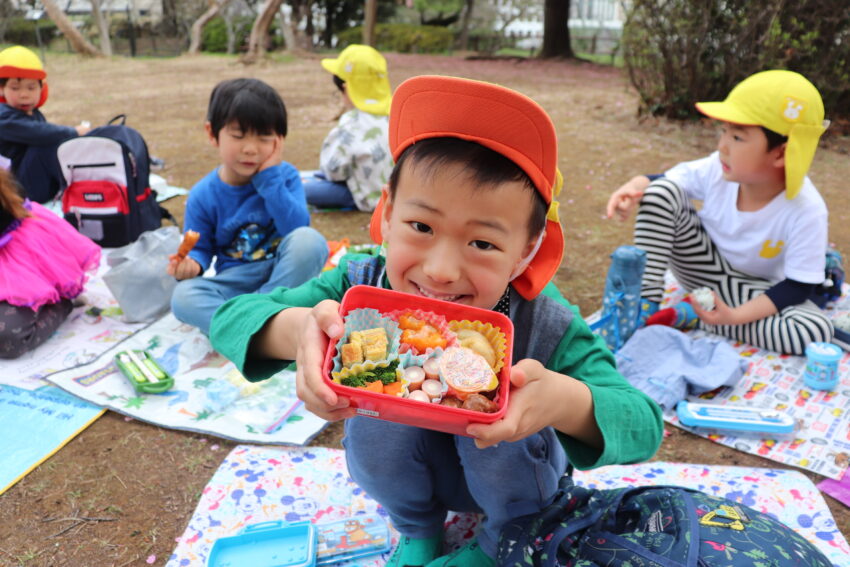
250, 211
470, 216
26, 137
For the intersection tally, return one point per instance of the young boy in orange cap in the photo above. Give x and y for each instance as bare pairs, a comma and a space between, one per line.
470, 216
759, 241
355, 162
26, 137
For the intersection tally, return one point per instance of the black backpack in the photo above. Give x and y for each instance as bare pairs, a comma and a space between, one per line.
107, 195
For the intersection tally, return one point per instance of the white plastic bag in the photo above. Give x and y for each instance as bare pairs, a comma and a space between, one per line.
137, 275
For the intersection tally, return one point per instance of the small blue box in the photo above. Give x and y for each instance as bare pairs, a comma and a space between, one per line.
268, 544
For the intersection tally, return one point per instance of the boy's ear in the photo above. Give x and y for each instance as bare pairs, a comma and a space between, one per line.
778, 155
210, 136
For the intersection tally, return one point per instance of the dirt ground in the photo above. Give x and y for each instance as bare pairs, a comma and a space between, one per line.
122, 491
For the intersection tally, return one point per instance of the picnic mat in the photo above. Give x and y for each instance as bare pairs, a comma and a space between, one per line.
209, 395
91, 329
34, 425
258, 484
822, 443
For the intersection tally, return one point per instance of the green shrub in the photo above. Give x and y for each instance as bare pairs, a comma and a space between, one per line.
678, 52
214, 36
22, 32
402, 38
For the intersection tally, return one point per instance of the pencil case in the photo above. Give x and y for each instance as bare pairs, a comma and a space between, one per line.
143, 372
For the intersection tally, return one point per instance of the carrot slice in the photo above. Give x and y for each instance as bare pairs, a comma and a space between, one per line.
375, 386
393, 388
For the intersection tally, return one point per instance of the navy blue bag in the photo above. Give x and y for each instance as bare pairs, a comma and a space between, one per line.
654, 526
108, 195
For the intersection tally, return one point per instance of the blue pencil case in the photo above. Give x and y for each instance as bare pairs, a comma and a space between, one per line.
351, 538
302, 544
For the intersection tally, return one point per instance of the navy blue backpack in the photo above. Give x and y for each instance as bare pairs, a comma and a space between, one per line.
108, 195
653, 526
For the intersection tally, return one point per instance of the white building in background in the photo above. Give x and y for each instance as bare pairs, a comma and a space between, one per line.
148, 9
603, 15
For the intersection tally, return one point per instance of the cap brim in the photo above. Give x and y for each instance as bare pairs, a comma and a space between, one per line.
331, 66
726, 113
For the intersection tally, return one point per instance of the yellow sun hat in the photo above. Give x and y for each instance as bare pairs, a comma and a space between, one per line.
18, 62
784, 102
364, 71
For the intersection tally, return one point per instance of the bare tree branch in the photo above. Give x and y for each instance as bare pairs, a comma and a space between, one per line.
78, 43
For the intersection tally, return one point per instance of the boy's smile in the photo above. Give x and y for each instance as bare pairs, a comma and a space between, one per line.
22, 94
449, 238
241, 153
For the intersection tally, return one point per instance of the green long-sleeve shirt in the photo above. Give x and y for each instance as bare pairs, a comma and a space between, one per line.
630, 422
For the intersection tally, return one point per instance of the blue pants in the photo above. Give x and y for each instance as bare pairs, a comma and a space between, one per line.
39, 173
418, 475
326, 194
300, 256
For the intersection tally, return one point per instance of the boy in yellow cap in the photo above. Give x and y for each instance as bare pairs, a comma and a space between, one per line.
355, 162
26, 137
759, 241
470, 217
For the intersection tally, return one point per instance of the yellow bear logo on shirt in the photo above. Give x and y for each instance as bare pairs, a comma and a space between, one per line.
771, 250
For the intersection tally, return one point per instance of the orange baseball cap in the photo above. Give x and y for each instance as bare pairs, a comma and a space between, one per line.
500, 119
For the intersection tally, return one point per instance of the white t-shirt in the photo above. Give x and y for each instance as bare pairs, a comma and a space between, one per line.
357, 152
784, 239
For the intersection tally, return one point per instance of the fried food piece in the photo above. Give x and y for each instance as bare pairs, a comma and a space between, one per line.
189, 240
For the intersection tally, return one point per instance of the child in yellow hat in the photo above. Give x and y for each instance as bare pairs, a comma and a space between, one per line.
759, 241
26, 137
355, 162
469, 217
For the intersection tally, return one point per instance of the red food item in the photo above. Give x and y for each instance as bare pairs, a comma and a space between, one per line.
477, 402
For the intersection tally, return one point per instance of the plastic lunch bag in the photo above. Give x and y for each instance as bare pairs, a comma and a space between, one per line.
137, 275
651, 526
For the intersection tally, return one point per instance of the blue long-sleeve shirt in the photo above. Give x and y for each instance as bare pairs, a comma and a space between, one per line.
245, 223
19, 131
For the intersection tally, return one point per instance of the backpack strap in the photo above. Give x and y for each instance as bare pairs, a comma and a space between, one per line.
120, 119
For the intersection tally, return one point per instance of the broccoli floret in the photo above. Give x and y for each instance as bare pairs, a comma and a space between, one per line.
387, 375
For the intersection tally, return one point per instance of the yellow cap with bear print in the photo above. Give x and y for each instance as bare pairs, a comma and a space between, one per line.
784, 102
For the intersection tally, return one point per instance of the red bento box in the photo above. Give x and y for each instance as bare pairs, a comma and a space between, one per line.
412, 412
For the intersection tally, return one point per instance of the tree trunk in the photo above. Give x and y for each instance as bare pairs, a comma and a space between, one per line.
556, 32
103, 28
463, 41
260, 31
230, 30
74, 37
196, 35
303, 38
370, 15
285, 19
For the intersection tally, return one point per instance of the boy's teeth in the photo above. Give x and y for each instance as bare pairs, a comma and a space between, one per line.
434, 296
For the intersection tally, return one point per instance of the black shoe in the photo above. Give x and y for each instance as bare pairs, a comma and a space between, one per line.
842, 339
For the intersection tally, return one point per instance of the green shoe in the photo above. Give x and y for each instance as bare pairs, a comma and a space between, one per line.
469, 555
416, 552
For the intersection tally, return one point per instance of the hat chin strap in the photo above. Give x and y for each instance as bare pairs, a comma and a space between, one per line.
523, 264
